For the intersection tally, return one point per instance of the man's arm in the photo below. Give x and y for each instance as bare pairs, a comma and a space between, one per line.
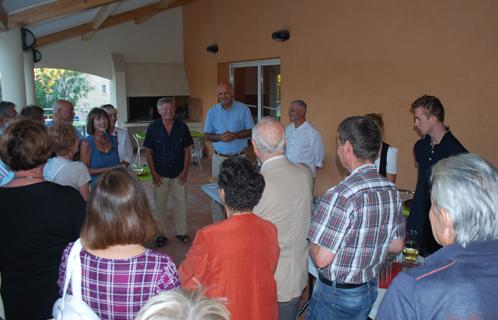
396, 245
182, 177
156, 178
321, 256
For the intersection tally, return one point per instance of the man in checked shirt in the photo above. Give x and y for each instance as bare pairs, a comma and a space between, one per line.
354, 227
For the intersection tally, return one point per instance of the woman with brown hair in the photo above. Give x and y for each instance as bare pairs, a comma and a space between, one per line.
98, 152
119, 275
38, 220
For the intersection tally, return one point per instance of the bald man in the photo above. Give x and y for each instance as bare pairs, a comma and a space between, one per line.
228, 125
286, 201
64, 112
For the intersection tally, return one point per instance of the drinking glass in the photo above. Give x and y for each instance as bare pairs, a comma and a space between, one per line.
411, 249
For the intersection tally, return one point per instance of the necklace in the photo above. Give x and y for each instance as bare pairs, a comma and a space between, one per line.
27, 177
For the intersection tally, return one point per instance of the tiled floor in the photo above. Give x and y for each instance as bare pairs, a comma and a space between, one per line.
198, 210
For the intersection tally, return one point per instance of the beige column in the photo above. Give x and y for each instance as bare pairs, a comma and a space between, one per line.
12, 67
29, 77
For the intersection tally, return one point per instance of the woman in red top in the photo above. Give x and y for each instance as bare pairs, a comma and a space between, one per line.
236, 258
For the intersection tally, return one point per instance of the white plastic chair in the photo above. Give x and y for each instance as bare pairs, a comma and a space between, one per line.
197, 151
139, 138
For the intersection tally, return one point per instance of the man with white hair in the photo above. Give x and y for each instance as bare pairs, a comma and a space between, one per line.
458, 281
286, 201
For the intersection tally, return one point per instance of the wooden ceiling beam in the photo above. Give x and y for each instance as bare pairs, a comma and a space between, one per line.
113, 20
100, 18
52, 10
3, 19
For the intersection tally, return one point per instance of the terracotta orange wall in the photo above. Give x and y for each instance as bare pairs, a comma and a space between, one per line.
352, 57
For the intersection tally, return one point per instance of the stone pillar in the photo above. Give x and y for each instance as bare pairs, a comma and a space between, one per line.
12, 67
118, 88
29, 77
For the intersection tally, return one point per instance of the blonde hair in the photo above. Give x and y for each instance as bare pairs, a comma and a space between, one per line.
63, 136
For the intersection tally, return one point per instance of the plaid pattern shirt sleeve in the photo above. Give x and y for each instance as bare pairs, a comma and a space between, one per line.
169, 279
399, 224
330, 222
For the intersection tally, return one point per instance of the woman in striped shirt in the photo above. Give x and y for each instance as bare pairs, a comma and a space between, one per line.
119, 275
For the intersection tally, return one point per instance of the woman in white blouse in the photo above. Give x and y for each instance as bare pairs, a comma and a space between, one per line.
387, 162
125, 150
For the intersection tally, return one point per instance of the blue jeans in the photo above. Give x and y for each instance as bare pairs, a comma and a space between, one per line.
329, 302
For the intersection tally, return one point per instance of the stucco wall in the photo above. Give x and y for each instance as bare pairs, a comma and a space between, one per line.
352, 57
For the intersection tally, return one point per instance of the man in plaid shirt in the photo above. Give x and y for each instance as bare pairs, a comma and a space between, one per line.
354, 227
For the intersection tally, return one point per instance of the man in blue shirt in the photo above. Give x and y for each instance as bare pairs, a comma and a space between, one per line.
167, 144
228, 125
459, 281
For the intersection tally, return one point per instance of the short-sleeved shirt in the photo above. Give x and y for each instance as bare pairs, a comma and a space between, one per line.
304, 145
168, 148
117, 288
220, 120
121, 138
427, 155
357, 220
66, 172
391, 161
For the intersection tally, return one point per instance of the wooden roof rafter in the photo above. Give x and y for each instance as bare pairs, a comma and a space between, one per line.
101, 16
52, 10
130, 15
3, 19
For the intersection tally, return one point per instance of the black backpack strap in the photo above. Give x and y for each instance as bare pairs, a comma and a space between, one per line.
383, 158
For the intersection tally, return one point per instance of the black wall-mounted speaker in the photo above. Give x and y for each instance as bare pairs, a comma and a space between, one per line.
282, 35
28, 39
37, 56
212, 48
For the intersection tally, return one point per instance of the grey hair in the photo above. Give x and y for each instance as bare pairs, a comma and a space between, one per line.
178, 304
164, 100
466, 186
269, 136
4, 106
300, 103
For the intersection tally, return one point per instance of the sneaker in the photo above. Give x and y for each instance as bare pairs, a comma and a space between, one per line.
184, 238
160, 241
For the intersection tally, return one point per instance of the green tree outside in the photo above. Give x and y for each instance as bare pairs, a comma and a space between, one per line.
53, 84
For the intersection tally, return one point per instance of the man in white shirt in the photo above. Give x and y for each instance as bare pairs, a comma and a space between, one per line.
304, 144
125, 150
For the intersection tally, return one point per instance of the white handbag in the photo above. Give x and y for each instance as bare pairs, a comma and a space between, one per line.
72, 307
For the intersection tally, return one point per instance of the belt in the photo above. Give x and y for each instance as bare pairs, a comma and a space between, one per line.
338, 284
229, 155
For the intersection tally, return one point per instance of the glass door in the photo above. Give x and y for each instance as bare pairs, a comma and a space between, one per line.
257, 84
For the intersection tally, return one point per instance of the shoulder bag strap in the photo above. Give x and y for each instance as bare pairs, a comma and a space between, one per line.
73, 271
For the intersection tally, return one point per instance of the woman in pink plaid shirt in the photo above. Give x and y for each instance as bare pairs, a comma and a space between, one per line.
119, 275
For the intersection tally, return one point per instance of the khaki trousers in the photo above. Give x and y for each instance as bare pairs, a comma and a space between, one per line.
161, 194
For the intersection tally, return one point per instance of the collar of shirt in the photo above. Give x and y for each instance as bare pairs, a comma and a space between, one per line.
280, 156
364, 166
